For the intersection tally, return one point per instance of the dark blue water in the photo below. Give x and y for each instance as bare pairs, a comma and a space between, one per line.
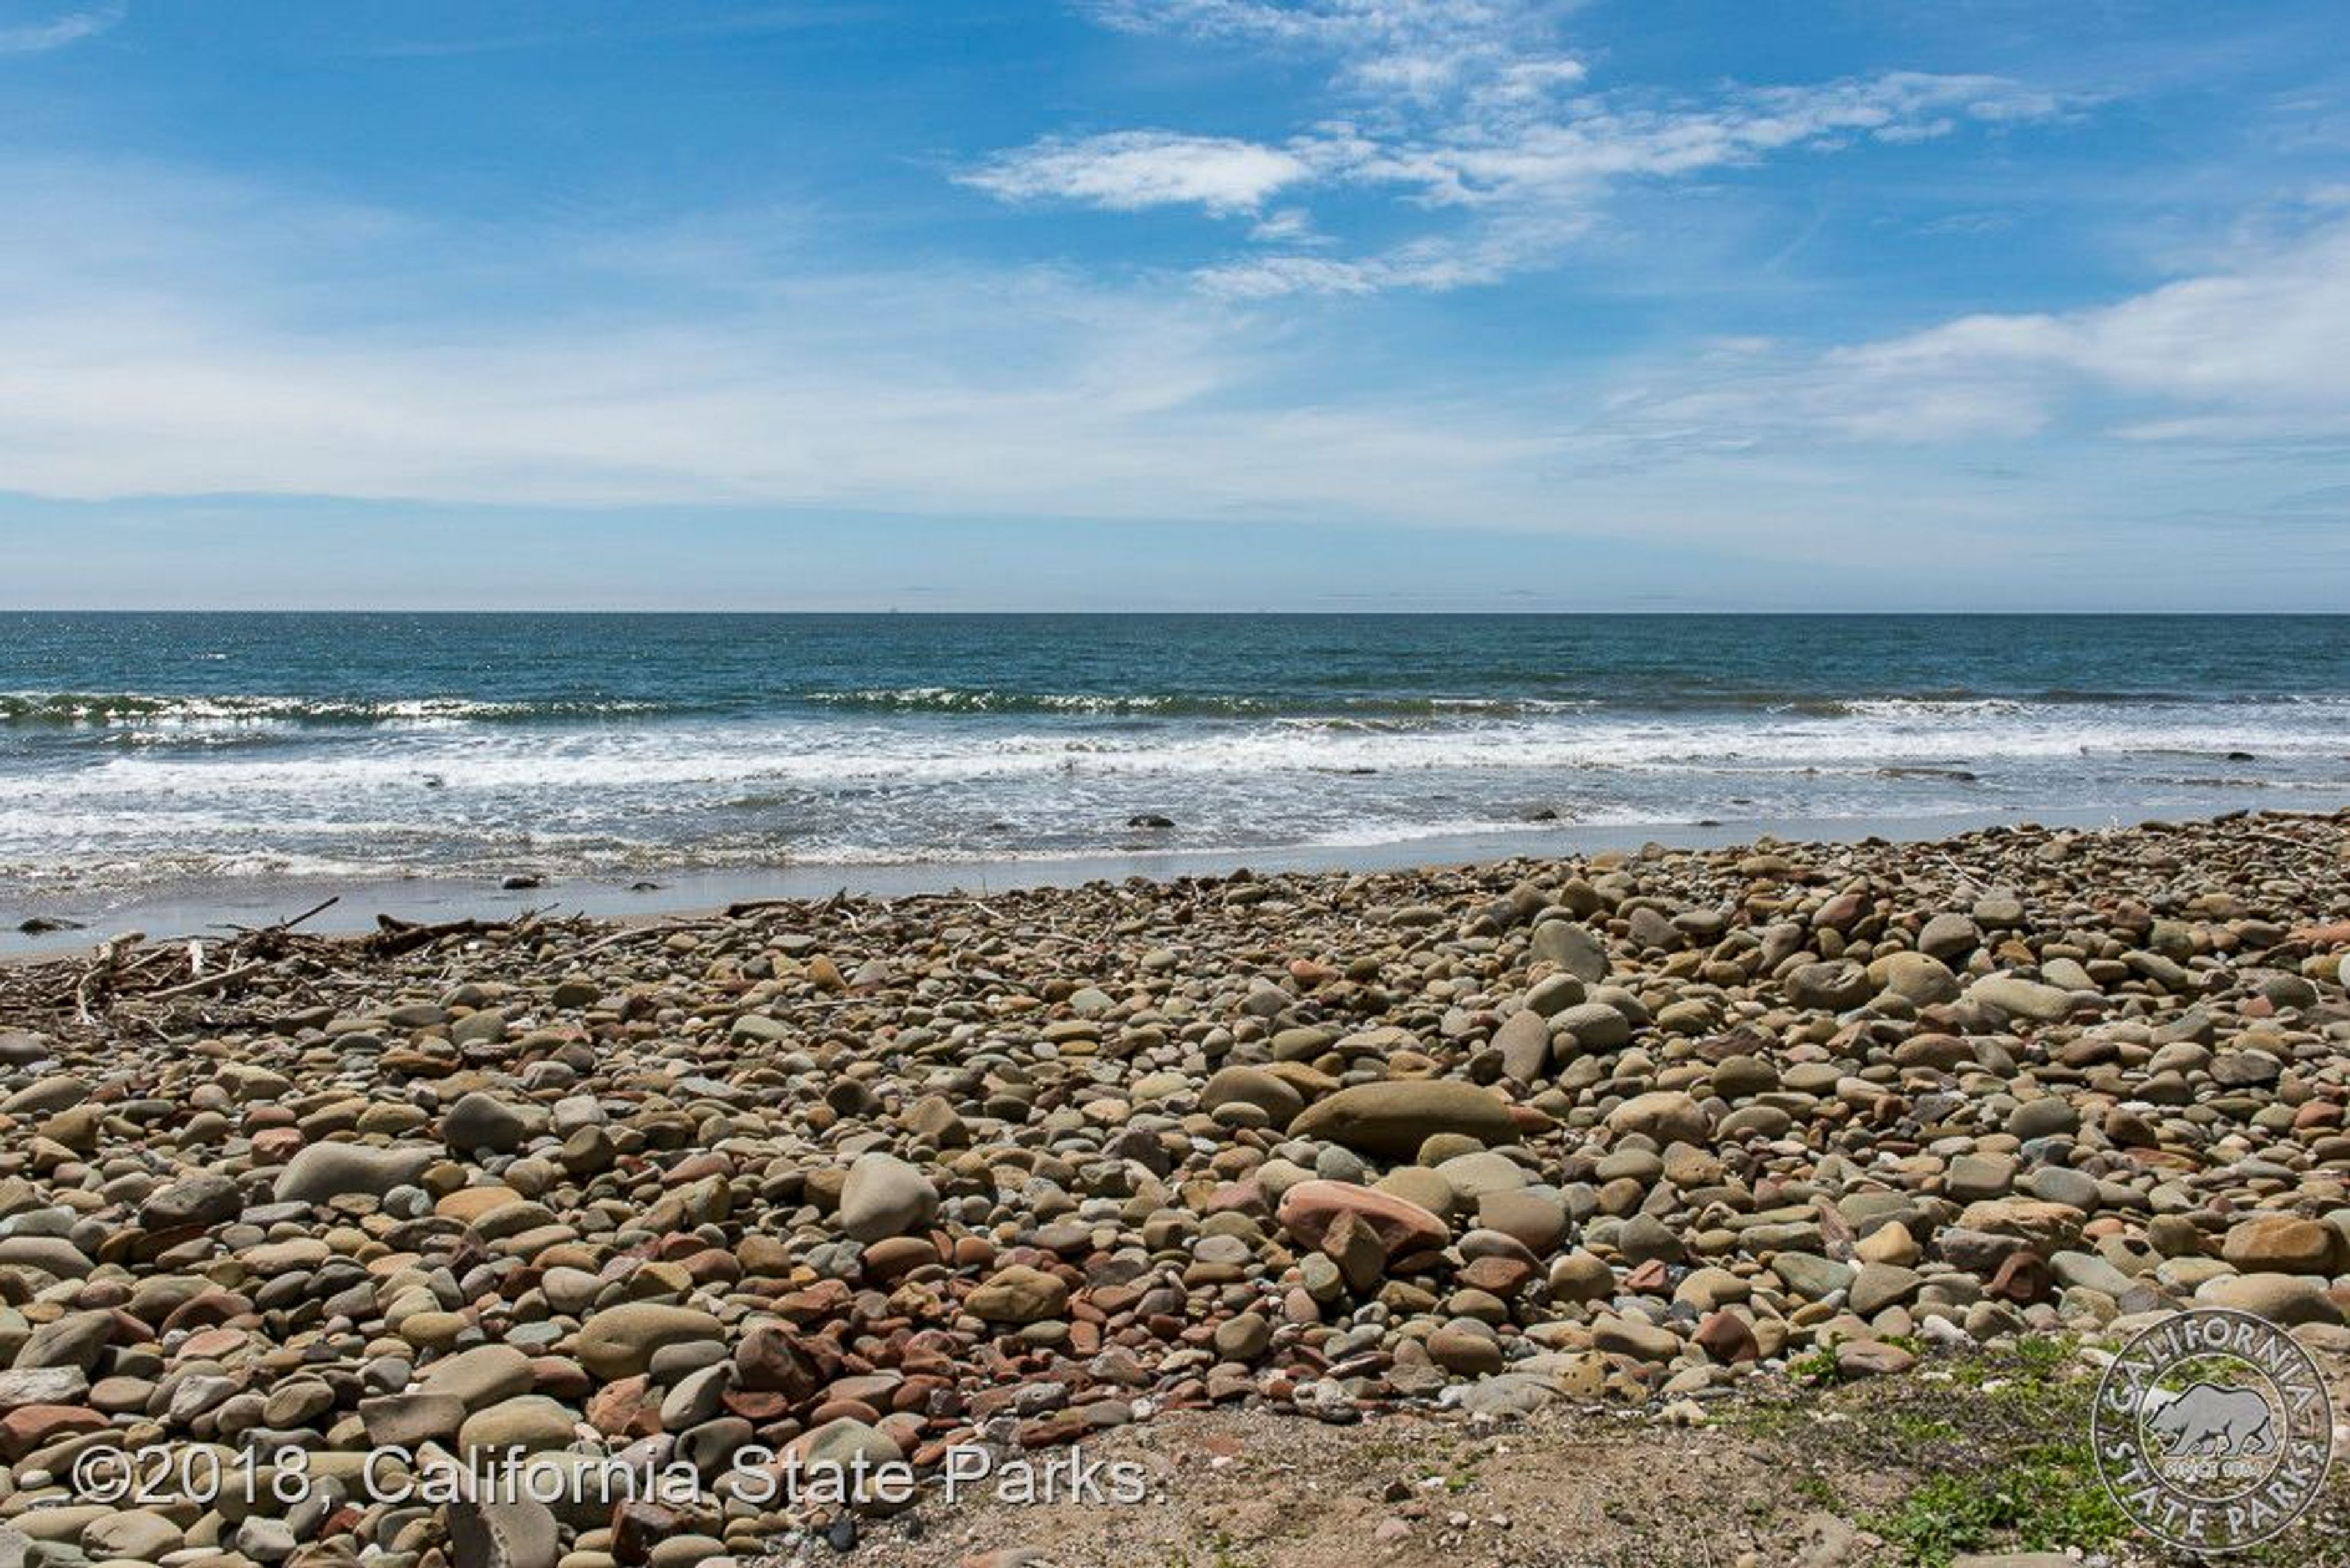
141, 748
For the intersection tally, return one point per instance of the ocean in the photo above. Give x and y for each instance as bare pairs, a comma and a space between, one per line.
139, 751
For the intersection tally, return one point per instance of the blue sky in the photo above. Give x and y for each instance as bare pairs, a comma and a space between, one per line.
1212, 303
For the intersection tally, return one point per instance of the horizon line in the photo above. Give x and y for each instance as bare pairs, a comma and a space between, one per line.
1109, 612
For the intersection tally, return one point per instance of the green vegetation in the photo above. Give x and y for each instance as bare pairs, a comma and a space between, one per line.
2046, 1498
2004, 1450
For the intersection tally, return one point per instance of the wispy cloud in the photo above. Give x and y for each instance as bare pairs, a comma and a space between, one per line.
61, 31
1131, 170
1419, 49
172, 336
2250, 352
1484, 129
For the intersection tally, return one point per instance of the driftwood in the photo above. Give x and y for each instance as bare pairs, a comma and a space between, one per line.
394, 937
218, 981
742, 907
126, 972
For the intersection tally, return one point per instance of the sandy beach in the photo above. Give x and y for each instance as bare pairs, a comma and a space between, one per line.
1620, 1162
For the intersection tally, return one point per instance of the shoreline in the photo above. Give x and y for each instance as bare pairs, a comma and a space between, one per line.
204, 907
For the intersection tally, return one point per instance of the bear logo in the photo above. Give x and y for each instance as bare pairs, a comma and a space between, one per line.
2210, 1420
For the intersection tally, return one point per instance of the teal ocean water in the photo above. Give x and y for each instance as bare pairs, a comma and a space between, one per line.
140, 749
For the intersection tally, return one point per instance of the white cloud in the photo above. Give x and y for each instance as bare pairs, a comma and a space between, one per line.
2269, 337
2250, 352
170, 335
1288, 226
1130, 170
1583, 146
59, 32
1421, 48
1482, 127
1511, 243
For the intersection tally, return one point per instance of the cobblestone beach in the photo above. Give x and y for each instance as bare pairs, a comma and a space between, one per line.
1624, 1136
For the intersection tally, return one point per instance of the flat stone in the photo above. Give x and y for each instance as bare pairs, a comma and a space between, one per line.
1668, 1116
1919, 978
1536, 1219
50, 1254
1872, 1358
1810, 1276
510, 1530
2047, 1117
2087, 1271
531, 1422
2282, 1243
1019, 1294
323, 1172
133, 1533
1595, 1025
479, 1378
1308, 1209
2022, 998
1394, 1118
47, 1096
1880, 1285
76, 1339
205, 1198
621, 1341
1274, 1095
1837, 985
410, 1419
42, 1386
1949, 937
2287, 1299
1524, 1040
1634, 1337
1467, 1350
1572, 947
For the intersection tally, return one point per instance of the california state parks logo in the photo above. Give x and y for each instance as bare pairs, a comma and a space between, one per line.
2212, 1429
